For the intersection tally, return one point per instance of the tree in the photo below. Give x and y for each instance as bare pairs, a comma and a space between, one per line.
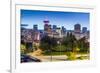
83, 45
47, 43
73, 42
70, 42
23, 49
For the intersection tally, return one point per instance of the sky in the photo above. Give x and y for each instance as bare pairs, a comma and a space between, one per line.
66, 19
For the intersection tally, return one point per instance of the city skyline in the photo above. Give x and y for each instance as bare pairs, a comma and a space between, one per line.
66, 19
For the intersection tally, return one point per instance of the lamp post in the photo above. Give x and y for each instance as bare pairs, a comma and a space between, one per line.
60, 45
51, 47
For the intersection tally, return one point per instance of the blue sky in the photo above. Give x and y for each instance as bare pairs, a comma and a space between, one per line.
66, 19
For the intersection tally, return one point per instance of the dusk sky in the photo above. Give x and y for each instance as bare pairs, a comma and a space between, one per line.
66, 19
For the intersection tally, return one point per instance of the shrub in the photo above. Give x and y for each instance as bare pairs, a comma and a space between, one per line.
23, 49
71, 56
60, 48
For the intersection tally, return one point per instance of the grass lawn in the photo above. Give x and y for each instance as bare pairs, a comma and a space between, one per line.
62, 53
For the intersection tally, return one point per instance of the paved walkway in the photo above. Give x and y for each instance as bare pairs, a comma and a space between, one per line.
52, 58
37, 55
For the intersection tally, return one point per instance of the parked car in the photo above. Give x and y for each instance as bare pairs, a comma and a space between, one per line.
27, 58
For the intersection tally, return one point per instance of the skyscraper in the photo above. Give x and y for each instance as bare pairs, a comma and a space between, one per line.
49, 28
46, 25
35, 27
37, 37
58, 30
63, 30
84, 29
54, 28
77, 28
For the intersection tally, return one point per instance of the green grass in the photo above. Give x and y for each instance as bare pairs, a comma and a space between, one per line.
55, 53
61, 53
83, 57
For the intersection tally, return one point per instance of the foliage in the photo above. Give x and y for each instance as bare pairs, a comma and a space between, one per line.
82, 57
47, 43
71, 56
35, 47
70, 42
83, 45
55, 53
60, 48
23, 49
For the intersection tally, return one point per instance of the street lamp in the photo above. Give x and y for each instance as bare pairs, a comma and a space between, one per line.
60, 46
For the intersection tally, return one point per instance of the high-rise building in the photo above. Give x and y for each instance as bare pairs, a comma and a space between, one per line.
84, 29
49, 28
63, 30
54, 28
58, 30
35, 27
46, 25
77, 28
36, 36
